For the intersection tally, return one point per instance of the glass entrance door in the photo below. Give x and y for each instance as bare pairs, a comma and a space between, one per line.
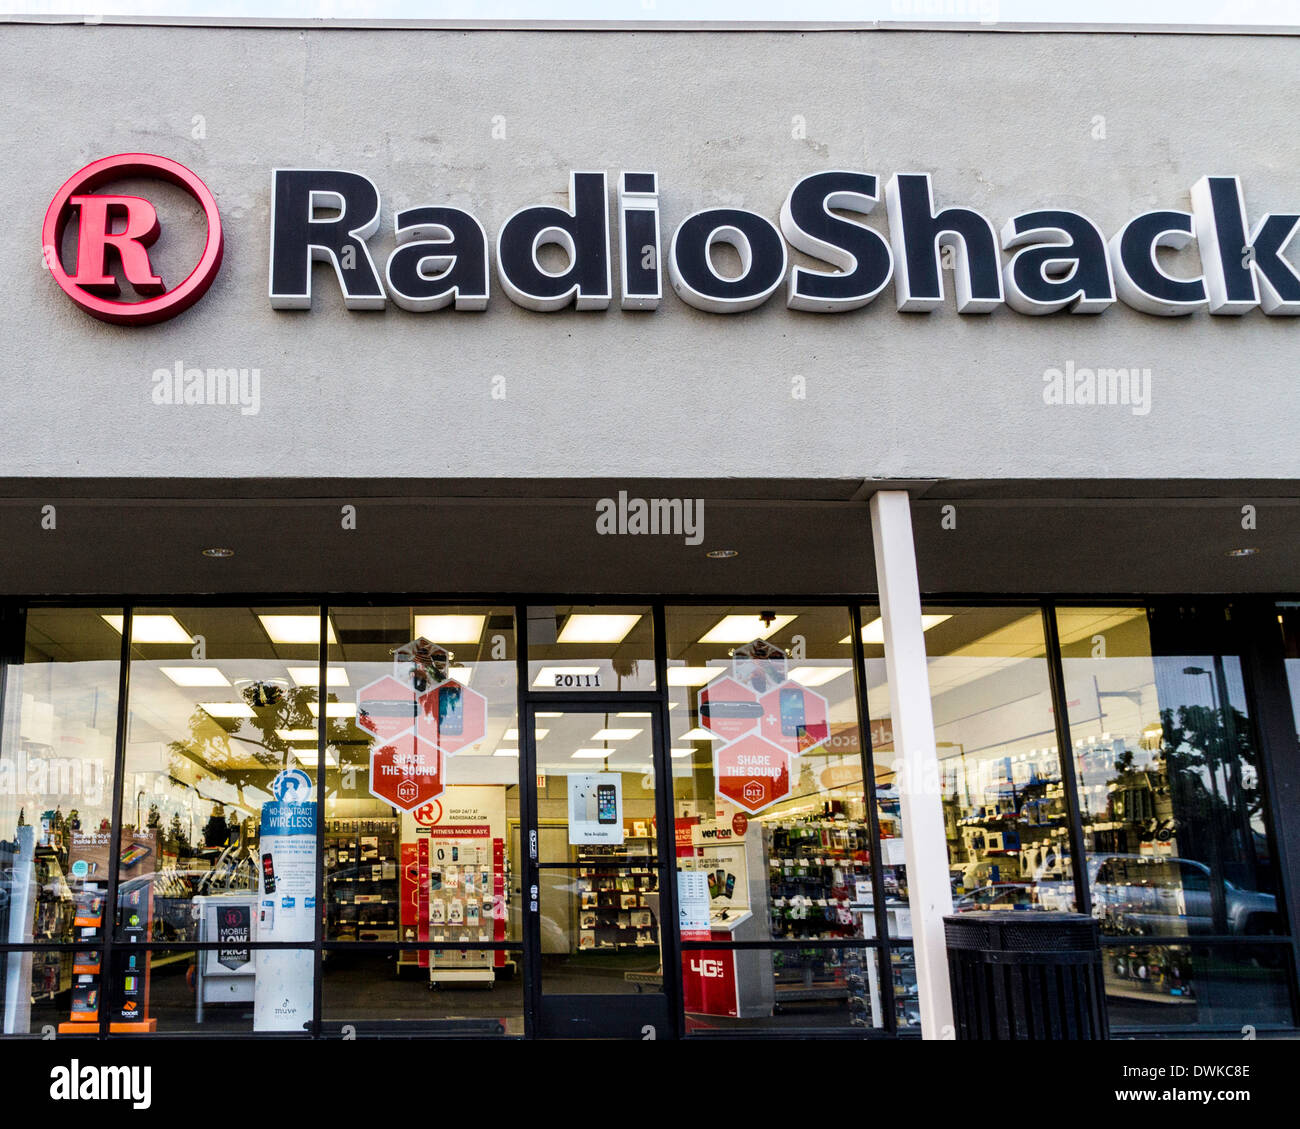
597, 848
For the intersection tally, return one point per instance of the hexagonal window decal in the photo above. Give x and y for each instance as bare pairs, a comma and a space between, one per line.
406, 772
752, 773
386, 707
794, 717
729, 708
452, 716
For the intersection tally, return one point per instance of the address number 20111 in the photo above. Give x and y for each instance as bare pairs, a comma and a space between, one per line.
576, 681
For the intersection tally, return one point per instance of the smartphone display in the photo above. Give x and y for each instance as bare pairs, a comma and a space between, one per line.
713, 885
731, 884
451, 711
606, 804
268, 873
792, 712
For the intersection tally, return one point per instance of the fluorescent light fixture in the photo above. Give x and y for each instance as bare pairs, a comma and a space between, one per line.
296, 735
295, 628
151, 628
541, 714
682, 752
506, 753
334, 709
874, 632
310, 675
633, 715
597, 628
615, 734
698, 734
461, 674
693, 675
547, 675
308, 758
513, 734
195, 675
450, 628
226, 709
817, 675
593, 754
743, 628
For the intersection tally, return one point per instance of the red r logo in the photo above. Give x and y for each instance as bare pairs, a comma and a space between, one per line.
92, 287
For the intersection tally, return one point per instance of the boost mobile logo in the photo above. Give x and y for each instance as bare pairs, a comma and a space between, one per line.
99, 247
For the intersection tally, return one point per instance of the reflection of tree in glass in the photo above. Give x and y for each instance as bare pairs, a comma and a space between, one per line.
1214, 780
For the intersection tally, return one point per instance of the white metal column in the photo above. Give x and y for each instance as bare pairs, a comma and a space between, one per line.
924, 842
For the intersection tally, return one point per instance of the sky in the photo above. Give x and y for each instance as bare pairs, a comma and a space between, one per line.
1172, 13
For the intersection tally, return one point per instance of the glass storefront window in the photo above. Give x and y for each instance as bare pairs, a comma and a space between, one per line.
1004, 802
576, 647
1288, 618
220, 708
372, 994
768, 795
439, 682
1170, 790
56, 776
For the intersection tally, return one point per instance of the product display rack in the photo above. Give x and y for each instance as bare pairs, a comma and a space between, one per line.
612, 909
361, 879
815, 867
1014, 836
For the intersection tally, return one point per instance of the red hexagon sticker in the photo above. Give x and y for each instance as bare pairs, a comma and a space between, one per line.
386, 707
794, 717
452, 716
406, 772
729, 708
752, 773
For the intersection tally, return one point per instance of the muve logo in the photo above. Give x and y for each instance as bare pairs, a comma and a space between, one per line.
117, 231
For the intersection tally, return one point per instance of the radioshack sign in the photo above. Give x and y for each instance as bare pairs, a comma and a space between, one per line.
1055, 259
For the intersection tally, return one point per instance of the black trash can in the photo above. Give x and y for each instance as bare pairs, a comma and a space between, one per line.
1026, 975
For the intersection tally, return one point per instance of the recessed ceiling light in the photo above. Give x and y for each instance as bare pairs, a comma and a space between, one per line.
597, 628
334, 709
296, 735
450, 628
310, 675
539, 713
195, 675
633, 715
227, 709
295, 628
743, 628
513, 734
506, 753
547, 675
1247, 552
151, 628
817, 675
593, 754
218, 553
874, 632
682, 752
693, 675
722, 554
615, 734
698, 734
